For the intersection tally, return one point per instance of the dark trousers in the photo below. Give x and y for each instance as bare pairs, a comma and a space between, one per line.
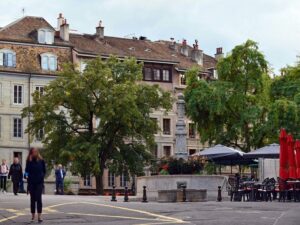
60, 187
15, 186
36, 197
3, 180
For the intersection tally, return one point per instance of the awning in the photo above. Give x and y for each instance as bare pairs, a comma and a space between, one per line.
269, 151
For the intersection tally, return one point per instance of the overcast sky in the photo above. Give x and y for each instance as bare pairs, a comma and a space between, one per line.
274, 24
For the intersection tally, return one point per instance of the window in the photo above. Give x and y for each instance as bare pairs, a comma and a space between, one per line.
48, 61
87, 181
40, 135
166, 75
40, 90
155, 151
167, 151
154, 120
123, 180
17, 128
7, 58
45, 36
192, 130
192, 151
111, 179
18, 94
82, 66
147, 74
167, 126
156, 74
182, 79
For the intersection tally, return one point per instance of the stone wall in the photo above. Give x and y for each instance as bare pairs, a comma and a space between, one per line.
170, 182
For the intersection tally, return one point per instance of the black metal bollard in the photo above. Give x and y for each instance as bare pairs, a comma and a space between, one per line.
184, 193
144, 194
219, 199
113, 194
126, 194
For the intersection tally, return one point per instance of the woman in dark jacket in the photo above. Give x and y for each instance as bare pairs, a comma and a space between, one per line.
35, 170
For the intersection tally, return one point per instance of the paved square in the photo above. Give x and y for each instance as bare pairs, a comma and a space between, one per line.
99, 210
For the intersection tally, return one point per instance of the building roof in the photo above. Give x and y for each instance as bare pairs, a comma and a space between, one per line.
24, 30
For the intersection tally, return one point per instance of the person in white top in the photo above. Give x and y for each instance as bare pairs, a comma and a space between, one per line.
3, 175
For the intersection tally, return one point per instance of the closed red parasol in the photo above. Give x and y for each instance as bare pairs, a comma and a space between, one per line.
283, 172
297, 148
291, 157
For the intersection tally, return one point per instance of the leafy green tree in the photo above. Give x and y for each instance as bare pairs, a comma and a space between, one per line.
99, 118
233, 109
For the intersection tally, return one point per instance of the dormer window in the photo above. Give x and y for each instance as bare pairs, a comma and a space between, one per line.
7, 58
45, 36
49, 61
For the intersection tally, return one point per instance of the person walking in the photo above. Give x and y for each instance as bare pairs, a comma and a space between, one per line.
16, 174
60, 174
3, 175
35, 173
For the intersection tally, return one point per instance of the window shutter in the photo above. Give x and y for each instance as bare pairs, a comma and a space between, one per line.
9, 59
5, 59
14, 60
1, 59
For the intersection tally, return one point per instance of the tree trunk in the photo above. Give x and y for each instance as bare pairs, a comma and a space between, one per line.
99, 177
99, 184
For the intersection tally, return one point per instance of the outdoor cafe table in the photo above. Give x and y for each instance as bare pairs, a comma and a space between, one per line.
252, 184
294, 183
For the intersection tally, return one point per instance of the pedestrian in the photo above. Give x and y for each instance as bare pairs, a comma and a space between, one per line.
60, 174
3, 175
35, 173
16, 174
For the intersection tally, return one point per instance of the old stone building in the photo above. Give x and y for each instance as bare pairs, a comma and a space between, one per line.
32, 51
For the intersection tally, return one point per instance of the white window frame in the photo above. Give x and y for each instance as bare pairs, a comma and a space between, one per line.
111, 179
18, 93
166, 74
18, 136
4, 55
123, 180
45, 36
87, 181
40, 89
46, 62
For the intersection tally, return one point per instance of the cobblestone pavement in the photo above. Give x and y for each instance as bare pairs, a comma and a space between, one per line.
100, 210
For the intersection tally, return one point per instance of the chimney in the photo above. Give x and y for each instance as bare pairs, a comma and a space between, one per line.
219, 53
60, 21
184, 48
100, 30
173, 45
64, 32
197, 54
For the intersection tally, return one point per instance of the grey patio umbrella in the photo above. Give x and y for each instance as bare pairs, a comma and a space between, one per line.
269, 151
220, 151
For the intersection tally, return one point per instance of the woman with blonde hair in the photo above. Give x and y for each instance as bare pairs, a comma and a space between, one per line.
35, 173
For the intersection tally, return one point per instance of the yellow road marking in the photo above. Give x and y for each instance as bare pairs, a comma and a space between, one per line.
111, 216
137, 211
8, 218
156, 217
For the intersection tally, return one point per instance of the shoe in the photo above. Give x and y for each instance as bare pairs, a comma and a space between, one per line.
40, 220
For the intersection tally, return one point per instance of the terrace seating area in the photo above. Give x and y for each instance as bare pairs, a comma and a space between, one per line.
270, 189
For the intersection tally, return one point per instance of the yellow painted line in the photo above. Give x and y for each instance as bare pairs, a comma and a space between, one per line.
12, 210
137, 211
120, 217
170, 222
8, 218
